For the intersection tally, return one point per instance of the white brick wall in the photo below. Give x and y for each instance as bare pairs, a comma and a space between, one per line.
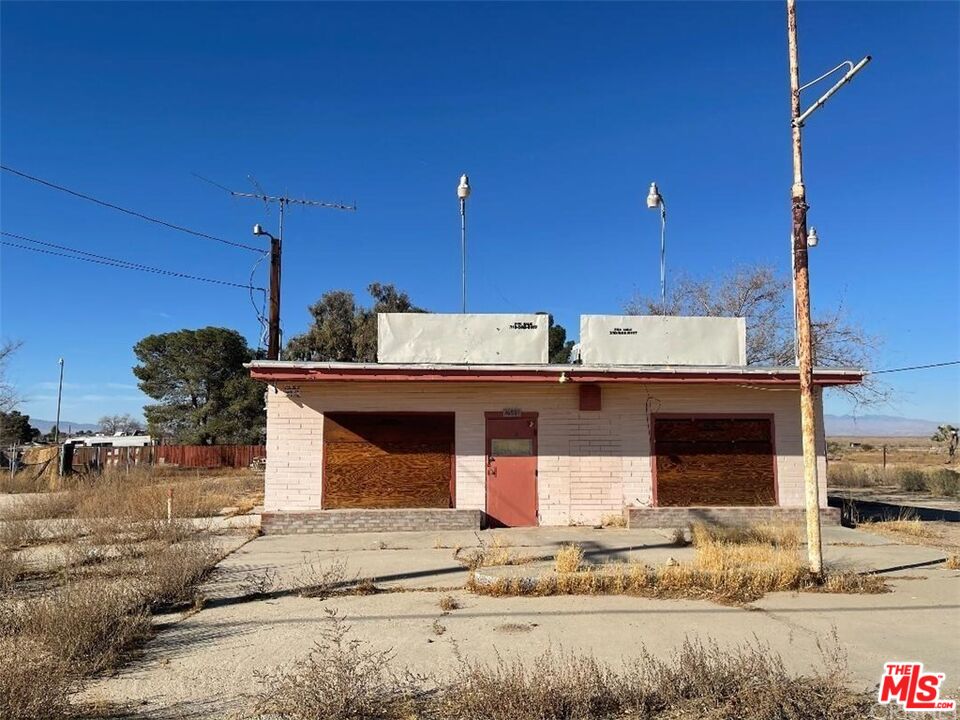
590, 463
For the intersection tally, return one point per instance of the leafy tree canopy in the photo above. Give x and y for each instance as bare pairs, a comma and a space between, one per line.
344, 331
205, 395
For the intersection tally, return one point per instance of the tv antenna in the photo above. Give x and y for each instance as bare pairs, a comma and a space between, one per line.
276, 246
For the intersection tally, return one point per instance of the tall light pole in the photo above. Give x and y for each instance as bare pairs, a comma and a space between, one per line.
801, 280
654, 201
463, 192
56, 427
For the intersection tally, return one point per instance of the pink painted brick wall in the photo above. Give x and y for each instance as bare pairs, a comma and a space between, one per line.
590, 464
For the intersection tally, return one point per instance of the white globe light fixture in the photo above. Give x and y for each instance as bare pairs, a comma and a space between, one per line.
655, 201
463, 192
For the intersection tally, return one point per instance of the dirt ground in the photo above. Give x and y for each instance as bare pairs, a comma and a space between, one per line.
913, 451
206, 663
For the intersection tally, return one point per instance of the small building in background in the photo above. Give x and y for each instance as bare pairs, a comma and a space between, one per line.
462, 422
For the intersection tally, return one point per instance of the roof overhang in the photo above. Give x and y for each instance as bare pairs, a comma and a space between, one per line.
281, 371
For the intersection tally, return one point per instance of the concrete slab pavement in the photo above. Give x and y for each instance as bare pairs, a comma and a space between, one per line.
205, 663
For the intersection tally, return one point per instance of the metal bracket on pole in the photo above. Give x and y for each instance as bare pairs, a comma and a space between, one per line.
854, 69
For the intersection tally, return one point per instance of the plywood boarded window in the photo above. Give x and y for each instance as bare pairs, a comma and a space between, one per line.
388, 460
705, 461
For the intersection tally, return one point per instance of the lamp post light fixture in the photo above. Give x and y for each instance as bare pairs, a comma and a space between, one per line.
654, 201
463, 192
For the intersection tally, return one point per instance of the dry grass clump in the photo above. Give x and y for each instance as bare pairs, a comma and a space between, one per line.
89, 624
775, 534
569, 559
15, 534
720, 571
613, 520
34, 682
914, 528
953, 562
321, 580
498, 552
342, 679
448, 603
11, 568
171, 576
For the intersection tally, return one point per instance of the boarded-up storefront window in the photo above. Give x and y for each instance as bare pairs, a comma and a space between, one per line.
714, 461
388, 460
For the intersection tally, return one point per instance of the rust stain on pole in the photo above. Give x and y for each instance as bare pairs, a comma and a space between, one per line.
801, 277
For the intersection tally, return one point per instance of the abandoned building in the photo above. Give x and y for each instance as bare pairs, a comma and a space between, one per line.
463, 423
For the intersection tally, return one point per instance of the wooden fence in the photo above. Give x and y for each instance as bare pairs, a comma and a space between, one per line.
185, 456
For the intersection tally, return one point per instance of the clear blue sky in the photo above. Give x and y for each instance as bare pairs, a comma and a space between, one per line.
562, 114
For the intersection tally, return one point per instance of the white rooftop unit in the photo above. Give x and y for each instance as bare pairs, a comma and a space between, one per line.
662, 340
473, 339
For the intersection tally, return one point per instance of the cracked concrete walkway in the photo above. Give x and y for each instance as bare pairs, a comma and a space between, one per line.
203, 665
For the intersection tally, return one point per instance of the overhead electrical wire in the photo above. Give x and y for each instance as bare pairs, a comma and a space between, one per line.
134, 213
914, 367
75, 254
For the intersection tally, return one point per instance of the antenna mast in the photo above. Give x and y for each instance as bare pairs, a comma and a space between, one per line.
276, 251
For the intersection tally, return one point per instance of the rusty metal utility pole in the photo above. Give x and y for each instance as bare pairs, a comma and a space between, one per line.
801, 279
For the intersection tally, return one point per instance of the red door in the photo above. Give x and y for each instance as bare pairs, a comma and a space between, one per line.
512, 471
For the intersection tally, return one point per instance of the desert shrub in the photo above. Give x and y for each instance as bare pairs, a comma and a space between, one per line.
317, 579
89, 624
911, 479
556, 685
953, 562
342, 679
844, 474
339, 680
34, 681
569, 559
944, 482
170, 576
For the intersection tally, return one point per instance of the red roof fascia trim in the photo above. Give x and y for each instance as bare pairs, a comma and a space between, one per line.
294, 374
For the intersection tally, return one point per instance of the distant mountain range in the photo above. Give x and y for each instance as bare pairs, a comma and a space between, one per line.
46, 426
878, 426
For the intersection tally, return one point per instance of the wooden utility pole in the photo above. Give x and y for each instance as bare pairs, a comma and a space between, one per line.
273, 331
801, 279
276, 254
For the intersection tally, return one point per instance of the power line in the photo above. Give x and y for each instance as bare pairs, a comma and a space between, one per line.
113, 262
914, 367
134, 213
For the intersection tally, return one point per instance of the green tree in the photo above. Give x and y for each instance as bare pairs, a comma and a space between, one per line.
205, 395
559, 347
344, 331
15, 429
